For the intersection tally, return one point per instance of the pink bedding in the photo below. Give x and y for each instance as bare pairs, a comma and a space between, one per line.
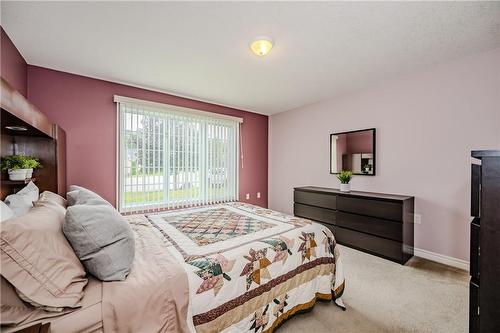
155, 297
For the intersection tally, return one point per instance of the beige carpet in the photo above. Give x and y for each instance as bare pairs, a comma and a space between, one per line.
382, 296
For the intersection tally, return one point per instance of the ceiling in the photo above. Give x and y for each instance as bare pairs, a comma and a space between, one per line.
201, 49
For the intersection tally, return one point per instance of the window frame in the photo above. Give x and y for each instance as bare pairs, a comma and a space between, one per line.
178, 111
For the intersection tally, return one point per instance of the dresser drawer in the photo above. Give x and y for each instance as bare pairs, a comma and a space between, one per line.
474, 248
314, 213
473, 307
475, 190
371, 225
379, 246
315, 199
376, 208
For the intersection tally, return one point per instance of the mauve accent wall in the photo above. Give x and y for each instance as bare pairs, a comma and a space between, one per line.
84, 107
360, 142
13, 66
427, 123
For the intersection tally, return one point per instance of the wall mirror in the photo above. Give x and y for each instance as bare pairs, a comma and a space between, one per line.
354, 151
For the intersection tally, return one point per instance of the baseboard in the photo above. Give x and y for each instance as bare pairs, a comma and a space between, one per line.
442, 259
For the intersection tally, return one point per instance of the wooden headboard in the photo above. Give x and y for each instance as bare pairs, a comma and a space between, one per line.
41, 139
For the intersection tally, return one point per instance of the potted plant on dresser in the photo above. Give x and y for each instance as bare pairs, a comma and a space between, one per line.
20, 167
345, 177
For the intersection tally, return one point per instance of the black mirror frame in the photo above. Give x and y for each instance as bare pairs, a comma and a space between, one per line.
374, 143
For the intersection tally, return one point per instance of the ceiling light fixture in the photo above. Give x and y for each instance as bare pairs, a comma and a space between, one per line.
261, 45
16, 128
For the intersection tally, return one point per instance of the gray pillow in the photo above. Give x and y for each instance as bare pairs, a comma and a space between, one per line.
78, 195
102, 239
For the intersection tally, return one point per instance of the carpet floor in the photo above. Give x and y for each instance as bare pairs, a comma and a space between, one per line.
382, 296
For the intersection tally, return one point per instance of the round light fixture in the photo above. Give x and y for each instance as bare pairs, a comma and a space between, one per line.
261, 46
16, 128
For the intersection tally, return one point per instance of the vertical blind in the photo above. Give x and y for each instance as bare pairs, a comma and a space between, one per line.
170, 158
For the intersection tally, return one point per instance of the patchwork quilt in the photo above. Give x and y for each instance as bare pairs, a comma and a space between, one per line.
249, 267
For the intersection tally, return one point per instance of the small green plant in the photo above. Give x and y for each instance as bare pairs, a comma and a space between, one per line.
12, 162
15, 162
31, 163
344, 176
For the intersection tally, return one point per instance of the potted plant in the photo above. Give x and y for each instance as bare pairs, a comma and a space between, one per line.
14, 165
31, 163
345, 177
19, 167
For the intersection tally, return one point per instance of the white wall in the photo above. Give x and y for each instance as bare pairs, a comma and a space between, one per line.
427, 123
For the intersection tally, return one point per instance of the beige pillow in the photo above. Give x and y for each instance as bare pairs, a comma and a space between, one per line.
14, 311
52, 200
38, 260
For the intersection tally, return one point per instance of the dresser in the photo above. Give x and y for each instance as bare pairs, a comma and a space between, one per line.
376, 223
484, 288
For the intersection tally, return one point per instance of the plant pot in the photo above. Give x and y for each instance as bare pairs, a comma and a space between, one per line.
345, 187
29, 173
17, 174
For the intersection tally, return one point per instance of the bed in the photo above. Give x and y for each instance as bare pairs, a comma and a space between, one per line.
231, 267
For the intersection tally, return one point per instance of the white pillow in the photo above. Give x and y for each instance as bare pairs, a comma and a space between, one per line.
22, 201
5, 212
31, 190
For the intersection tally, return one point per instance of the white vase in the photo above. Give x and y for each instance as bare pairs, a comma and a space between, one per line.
29, 173
345, 187
17, 174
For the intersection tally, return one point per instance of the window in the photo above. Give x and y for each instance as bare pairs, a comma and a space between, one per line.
172, 157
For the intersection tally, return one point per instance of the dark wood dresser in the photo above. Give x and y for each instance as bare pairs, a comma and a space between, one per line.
380, 224
484, 289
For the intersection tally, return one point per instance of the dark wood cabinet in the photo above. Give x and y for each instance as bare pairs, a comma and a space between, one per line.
380, 224
484, 287
40, 138
474, 307
474, 248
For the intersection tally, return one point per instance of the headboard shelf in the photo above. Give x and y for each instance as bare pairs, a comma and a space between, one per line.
37, 137
21, 110
8, 119
18, 182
